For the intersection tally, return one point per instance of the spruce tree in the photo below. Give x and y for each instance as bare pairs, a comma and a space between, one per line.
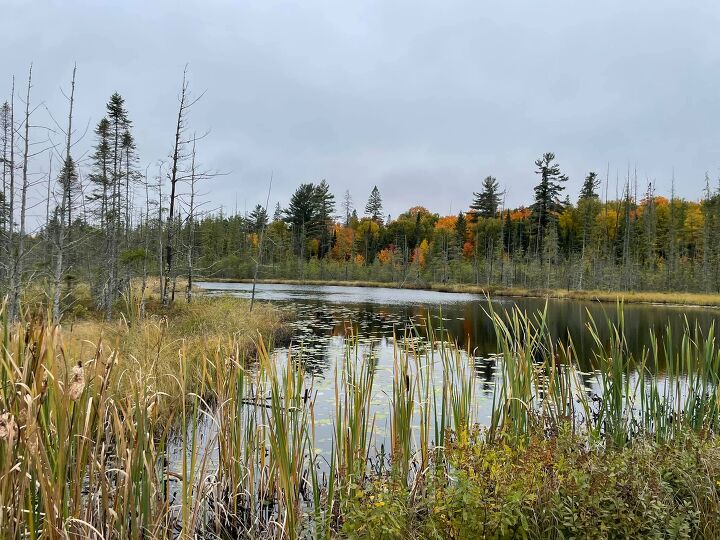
461, 229
547, 203
257, 220
100, 176
374, 207
589, 187
324, 208
486, 202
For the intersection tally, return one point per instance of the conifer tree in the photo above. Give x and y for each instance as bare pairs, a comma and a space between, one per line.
101, 167
374, 207
461, 229
487, 201
257, 219
547, 204
589, 187
325, 206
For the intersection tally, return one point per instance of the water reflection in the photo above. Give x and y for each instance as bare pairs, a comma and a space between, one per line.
376, 315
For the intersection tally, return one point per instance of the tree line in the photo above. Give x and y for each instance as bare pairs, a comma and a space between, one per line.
109, 223
639, 240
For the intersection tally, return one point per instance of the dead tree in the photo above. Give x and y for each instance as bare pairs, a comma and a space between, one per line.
191, 224
177, 158
18, 262
66, 181
11, 207
174, 177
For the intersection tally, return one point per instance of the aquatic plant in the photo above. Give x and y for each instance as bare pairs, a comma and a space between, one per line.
90, 447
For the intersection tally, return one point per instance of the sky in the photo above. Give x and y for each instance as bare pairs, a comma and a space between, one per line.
422, 99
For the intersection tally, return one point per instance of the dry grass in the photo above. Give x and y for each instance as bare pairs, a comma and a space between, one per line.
628, 297
152, 349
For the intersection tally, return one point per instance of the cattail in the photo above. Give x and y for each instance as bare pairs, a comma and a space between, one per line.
77, 382
8, 428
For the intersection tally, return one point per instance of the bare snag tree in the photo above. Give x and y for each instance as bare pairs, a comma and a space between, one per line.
68, 175
178, 157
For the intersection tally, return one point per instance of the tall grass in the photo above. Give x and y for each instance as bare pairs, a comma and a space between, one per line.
235, 454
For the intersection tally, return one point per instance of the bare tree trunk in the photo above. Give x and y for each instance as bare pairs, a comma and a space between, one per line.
160, 231
63, 205
191, 225
47, 202
19, 260
176, 157
146, 235
12, 313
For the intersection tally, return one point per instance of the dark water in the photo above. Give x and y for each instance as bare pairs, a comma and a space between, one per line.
377, 318
327, 311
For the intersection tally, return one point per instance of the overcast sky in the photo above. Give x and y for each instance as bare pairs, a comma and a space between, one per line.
423, 99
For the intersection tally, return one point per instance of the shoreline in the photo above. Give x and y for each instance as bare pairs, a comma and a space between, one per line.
682, 299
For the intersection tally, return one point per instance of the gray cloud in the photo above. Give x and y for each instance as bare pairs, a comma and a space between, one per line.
422, 99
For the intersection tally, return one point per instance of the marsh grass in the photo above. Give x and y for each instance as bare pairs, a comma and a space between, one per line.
225, 446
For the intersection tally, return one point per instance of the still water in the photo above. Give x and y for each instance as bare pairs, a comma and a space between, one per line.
324, 313
323, 316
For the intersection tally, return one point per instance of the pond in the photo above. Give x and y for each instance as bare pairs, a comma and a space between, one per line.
378, 318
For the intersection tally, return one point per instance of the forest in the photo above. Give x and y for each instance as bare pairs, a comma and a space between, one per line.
107, 220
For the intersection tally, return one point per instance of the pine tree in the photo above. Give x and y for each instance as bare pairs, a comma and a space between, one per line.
486, 202
374, 207
547, 203
300, 215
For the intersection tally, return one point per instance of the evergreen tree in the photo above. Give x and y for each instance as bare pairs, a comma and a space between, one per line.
373, 208
547, 203
302, 214
119, 124
461, 229
486, 202
589, 187
68, 181
257, 220
324, 207
278, 215
101, 169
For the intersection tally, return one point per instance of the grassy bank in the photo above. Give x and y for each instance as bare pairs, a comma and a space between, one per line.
628, 297
241, 459
150, 350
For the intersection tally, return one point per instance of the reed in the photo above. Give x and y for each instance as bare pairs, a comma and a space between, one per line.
236, 452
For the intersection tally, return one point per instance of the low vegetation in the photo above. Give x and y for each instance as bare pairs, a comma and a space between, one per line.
618, 452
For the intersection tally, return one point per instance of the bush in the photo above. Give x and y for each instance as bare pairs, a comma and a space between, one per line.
556, 487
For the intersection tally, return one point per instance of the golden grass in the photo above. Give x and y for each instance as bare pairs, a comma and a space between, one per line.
151, 349
629, 297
